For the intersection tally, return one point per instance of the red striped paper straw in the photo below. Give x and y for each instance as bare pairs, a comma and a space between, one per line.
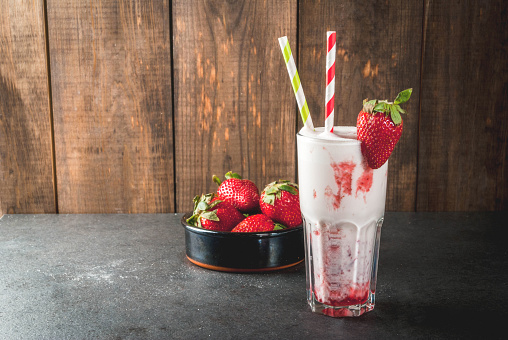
330, 80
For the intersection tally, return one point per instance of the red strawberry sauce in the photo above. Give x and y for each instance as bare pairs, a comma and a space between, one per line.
343, 175
358, 294
364, 183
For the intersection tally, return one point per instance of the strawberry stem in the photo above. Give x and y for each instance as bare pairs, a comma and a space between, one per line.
231, 174
216, 180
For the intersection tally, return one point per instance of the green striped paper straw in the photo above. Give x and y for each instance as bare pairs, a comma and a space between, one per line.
295, 81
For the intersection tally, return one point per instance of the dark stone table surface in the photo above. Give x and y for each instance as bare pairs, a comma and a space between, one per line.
441, 276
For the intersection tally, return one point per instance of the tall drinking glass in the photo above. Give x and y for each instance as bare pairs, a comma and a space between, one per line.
342, 202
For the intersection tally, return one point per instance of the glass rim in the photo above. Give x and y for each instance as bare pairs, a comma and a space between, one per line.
342, 140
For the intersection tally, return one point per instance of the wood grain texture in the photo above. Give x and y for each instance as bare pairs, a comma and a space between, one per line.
234, 106
464, 126
378, 55
26, 177
111, 78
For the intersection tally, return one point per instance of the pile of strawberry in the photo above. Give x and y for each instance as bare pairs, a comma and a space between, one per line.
237, 206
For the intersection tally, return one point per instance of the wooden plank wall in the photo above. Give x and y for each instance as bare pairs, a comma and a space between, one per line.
26, 166
130, 106
112, 108
463, 162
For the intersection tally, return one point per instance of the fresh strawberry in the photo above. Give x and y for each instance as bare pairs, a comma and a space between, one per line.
280, 201
256, 223
241, 193
379, 126
212, 213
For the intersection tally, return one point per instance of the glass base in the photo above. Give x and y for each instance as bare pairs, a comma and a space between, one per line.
341, 311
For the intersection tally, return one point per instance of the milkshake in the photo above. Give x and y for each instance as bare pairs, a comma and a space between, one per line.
342, 177
342, 201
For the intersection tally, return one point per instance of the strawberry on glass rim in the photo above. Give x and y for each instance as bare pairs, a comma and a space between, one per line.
379, 127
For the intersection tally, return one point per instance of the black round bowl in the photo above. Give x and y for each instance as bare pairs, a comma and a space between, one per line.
243, 252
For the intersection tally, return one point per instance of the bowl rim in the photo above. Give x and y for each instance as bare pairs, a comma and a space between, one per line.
229, 234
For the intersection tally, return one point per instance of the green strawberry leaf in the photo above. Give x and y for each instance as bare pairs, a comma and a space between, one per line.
403, 96
208, 197
210, 215
289, 189
399, 108
368, 105
395, 115
192, 220
196, 201
214, 203
271, 190
203, 206
269, 199
380, 107
279, 226
231, 174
